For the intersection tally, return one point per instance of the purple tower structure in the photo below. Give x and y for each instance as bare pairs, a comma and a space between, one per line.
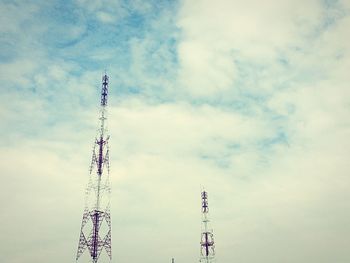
207, 252
95, 234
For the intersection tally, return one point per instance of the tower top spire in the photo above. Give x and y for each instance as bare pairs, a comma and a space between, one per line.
205, 207
104, 90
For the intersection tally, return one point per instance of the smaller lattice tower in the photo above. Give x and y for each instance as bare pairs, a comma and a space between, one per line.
207, 252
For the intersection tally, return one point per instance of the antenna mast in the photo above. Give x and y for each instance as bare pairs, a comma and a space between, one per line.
207, 248
95, 233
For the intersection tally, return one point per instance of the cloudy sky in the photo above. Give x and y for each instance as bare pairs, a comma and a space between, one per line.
248, 98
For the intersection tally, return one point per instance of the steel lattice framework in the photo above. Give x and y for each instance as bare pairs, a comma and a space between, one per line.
95, 233
207, 247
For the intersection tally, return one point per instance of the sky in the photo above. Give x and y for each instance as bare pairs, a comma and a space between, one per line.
249, 99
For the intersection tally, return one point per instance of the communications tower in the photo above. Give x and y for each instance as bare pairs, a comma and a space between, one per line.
95, 234
207, 248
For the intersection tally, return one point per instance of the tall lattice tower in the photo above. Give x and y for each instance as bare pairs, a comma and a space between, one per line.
207, 253
95, 234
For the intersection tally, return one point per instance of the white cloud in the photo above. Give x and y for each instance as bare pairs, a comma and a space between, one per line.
215, 34
205, 69
105, 17
165, 126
